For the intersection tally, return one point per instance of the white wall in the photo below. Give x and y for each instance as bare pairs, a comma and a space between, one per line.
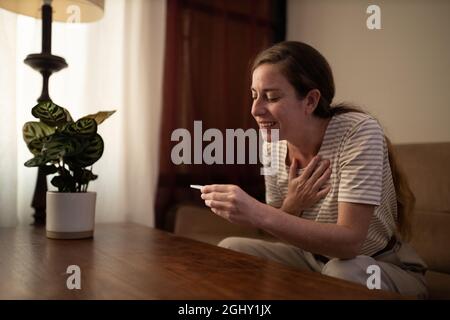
400, 74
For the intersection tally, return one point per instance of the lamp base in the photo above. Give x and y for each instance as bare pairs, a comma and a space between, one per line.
39, 200
45, 62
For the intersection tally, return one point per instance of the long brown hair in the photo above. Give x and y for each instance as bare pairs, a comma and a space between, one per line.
306, 69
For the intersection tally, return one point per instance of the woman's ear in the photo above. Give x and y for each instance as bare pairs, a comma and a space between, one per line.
312, 100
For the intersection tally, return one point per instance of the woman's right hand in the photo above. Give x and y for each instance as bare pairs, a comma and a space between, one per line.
307, 189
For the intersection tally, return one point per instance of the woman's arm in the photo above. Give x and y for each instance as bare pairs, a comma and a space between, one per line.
340, 240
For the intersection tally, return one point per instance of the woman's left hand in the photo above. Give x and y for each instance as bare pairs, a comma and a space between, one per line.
232, 203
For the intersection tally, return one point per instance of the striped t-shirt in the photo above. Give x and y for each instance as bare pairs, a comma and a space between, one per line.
355, 145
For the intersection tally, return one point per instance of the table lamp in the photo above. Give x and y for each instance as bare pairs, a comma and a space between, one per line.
47, 63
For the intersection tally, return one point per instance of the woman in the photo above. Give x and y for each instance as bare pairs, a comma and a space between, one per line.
337, 200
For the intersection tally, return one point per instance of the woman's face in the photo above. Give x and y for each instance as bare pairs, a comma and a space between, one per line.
275, 103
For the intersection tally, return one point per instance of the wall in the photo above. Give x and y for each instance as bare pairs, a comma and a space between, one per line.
400, 74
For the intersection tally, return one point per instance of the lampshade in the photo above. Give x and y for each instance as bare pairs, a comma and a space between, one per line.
90, 10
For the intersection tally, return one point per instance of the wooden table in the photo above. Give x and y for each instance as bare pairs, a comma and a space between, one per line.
128, 261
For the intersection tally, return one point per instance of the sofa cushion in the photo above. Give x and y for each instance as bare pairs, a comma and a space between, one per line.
431, 239
428, 171
438, 284
426, 167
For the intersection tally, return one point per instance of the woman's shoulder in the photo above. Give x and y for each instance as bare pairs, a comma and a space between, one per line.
353, 121
358, 126
353, 118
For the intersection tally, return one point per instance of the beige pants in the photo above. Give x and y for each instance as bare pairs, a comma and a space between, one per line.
401, 268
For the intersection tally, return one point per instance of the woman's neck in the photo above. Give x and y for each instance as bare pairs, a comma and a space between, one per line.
303, 150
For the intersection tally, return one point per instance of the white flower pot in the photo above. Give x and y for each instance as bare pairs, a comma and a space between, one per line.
70, 215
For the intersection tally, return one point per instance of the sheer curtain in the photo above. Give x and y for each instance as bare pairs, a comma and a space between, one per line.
115, 63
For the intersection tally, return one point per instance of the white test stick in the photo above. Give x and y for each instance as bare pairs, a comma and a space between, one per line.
196, 186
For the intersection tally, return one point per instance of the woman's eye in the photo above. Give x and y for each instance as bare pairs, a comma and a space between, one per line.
273, 99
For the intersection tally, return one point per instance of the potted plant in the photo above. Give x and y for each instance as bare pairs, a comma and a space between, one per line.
69, 149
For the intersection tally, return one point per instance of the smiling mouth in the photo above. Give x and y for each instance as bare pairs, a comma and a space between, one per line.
267, 124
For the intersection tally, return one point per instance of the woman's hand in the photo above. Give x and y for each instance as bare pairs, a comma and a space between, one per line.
232, 203
308, 188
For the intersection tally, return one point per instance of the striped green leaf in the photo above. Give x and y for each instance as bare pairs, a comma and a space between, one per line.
100, 116
92, 151
36, 145
50, 113
83, 127
33, 130
84, 176
37, 161
59, 146
68, 116
64, 182
34, 134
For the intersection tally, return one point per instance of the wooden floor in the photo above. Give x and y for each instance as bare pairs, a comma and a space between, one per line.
128, 261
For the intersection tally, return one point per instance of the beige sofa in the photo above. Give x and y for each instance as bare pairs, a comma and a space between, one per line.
428, 169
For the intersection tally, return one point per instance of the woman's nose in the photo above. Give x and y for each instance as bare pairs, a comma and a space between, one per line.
258, 108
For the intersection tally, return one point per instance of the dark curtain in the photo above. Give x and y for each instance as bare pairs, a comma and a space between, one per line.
209, 48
